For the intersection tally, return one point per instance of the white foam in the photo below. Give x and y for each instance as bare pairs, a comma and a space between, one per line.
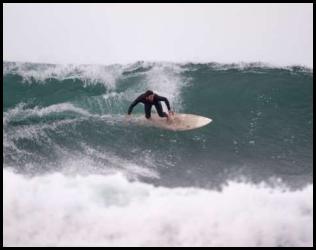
95, 210
114, 163
22, 111
89, 74
38, 131
165, 79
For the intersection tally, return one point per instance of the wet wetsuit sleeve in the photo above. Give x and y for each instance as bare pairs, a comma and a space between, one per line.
134, 103
164, 99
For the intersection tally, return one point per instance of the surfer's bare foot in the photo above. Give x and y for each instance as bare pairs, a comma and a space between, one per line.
169, 120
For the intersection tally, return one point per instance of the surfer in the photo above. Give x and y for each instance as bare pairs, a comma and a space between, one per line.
149, 98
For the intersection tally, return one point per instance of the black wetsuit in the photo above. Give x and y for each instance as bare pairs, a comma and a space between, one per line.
148, 105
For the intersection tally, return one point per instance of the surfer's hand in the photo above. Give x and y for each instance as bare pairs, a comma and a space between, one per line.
128, 117
171, 112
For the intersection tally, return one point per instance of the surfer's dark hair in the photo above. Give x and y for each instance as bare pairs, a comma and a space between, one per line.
148, 93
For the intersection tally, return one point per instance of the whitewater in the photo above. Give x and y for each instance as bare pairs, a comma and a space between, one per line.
76, 174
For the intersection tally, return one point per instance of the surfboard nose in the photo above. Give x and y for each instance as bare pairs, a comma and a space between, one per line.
203, 121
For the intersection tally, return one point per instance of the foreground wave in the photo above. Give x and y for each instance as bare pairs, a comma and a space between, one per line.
94, 210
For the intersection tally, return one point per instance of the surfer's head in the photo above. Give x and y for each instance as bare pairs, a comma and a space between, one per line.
149, 95
149, 92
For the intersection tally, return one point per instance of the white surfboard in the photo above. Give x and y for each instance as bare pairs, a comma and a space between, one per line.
178, 122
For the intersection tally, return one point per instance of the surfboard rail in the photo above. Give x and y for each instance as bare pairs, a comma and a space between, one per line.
177, 122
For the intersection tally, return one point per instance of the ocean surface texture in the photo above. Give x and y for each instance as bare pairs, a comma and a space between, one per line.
76, 173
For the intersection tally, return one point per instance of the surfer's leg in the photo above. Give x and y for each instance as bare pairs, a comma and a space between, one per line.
160, 111
148, 111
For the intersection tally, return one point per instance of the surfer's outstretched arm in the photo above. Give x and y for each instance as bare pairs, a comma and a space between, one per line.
134, 103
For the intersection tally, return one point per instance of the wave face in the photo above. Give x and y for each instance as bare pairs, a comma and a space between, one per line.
65, 132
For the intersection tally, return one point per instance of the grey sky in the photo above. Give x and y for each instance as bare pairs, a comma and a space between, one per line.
281, 34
